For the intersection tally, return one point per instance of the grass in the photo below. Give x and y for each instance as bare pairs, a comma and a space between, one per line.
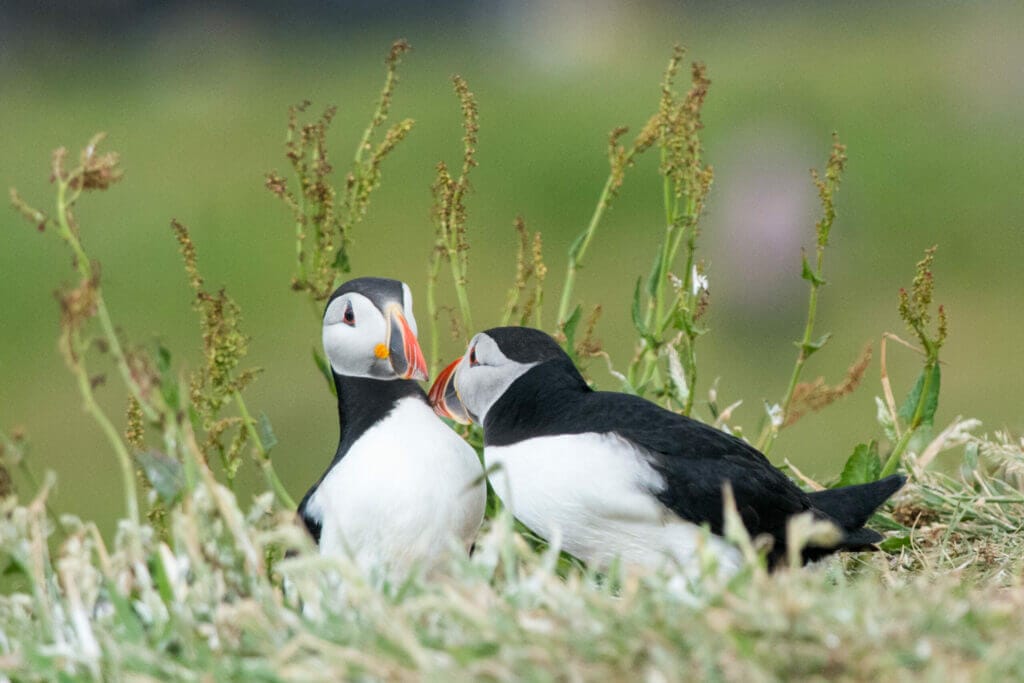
196, 583
206, 602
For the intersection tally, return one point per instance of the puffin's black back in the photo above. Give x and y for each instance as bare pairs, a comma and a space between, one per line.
695, 459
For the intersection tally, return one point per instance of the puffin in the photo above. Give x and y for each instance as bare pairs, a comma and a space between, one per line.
614, 476
403, 490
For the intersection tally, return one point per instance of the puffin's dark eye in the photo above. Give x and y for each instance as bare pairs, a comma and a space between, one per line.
350, 316
472, 357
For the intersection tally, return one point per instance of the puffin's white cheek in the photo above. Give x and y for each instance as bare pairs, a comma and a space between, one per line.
339, 346
474, 395
331, 350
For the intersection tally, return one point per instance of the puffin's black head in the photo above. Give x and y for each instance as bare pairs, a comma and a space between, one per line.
494, 359
370, 331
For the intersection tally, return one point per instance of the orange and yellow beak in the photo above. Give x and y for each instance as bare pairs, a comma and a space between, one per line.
403, 349
445, 397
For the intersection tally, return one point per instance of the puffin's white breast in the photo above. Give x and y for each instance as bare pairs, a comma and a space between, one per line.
596, 493
404, 493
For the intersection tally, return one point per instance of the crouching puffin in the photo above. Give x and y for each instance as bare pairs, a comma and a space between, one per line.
612, 475
403, 488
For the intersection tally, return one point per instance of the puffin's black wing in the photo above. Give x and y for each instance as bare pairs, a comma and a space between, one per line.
696, 460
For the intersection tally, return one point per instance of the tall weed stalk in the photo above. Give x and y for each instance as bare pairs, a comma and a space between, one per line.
157, 403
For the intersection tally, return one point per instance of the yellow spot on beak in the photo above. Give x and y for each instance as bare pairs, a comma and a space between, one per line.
381, 351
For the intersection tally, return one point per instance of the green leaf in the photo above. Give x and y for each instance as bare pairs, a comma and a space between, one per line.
933, 378
895, 544
577, 245
341, 261
162, 580
163, 473
168, 382
163, 359
883, 522
931, 402
195, 418
652, 279
325, 369
812, 346
569, 328
808, 274
638, 322
266, 432
862, 467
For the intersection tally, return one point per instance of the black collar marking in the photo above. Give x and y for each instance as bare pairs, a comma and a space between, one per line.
362, 403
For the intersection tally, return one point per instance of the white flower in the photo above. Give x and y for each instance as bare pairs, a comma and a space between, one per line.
698, 281
775, 415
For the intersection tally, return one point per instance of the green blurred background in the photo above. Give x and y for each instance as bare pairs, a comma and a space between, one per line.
929, 98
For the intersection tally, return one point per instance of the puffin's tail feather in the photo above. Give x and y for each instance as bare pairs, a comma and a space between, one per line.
851, 506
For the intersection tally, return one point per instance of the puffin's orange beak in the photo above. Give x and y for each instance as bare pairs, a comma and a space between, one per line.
403, 349
445, 397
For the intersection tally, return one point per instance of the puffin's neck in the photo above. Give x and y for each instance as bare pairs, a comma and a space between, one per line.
362, 402
543, 401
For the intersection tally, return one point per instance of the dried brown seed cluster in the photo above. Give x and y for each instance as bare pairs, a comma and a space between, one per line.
31, 214
827, 187
810, 397
98, 171
78, 304
134, 431
323, 224
679, 124
95, 171
449, 216
449, 193
529, 267
589, 345
914, 307
224, 347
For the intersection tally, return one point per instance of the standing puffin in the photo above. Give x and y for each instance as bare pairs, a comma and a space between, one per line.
612, 475
403, 488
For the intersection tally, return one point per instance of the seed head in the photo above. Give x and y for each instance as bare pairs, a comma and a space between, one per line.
914, 306
96, 171
78, 305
